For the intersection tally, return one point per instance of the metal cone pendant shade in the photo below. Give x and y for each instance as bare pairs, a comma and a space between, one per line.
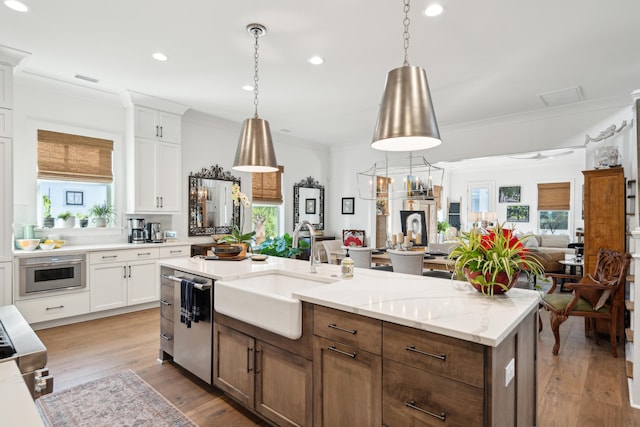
255, 151
255, 148
406, 121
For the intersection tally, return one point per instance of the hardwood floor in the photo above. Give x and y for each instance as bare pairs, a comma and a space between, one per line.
583, 386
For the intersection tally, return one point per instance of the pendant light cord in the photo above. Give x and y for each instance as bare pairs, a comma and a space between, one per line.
406, 21
256, 34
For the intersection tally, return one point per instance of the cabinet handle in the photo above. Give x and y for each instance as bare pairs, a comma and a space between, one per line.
160, 131
161, 202
257, 359
350, 331
125, 271
144, 253
411, 404
413, 348
344, 353
109, 256
249, 367
166, 337
54, 308
163, 302
129, 271
175, 252
157, 127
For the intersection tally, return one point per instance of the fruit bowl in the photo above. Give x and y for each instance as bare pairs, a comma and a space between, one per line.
28, 244
47, 246
58, 243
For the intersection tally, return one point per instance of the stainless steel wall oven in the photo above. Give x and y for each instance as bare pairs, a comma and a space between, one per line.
52, 273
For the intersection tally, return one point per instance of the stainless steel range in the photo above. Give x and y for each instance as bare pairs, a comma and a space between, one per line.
19, 343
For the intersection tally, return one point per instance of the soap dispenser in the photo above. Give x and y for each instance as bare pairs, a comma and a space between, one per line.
346, 266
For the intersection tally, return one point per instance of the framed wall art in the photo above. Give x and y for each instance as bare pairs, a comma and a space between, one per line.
509, 194
348, 205
310, 206
518, 213
416, 222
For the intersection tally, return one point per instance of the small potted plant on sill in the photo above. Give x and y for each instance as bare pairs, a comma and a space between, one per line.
491, 262
67, 219
102, 214
83, 219
47, 220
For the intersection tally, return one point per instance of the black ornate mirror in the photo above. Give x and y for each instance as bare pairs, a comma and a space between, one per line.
308, 203
211, 210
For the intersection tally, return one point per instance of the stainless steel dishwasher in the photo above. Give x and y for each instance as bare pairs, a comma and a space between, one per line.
193, 348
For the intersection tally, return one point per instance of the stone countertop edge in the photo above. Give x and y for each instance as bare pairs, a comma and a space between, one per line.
427, 303
70, 249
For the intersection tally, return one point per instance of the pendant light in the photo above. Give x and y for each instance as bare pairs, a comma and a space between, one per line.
406, 120
255, 148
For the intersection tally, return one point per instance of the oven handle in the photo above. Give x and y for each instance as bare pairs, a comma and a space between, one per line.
56, 262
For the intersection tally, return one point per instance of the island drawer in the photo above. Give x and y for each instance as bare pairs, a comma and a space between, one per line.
348, 328
166, 301
413, 397
166, 335
450, 357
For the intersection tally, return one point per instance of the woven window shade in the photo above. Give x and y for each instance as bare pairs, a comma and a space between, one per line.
67, 157
554, 196
267, 186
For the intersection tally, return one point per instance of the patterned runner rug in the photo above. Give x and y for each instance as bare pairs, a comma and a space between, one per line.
123, 399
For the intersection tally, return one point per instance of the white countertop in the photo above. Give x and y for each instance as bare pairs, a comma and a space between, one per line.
437, 305
69, 249
16, 404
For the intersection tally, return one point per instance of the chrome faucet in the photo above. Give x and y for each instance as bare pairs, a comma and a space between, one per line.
312, 238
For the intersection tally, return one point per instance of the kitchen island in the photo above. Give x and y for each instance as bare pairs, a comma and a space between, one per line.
388, 349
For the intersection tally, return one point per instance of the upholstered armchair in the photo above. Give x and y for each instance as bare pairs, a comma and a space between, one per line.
593, 297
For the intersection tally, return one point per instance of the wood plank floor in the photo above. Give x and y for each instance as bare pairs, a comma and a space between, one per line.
583, 386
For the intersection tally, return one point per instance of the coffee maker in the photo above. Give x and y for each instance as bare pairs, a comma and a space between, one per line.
137, 230
154, 232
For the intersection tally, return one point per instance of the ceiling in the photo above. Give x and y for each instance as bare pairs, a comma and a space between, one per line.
484, 59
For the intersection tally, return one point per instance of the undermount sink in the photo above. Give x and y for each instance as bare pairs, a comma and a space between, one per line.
265, 300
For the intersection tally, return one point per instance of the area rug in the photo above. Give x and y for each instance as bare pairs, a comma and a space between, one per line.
123, 399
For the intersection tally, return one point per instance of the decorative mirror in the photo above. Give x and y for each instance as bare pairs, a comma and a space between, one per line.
211, 210
308, 203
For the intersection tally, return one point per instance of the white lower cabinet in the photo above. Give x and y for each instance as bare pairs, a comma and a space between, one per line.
37, 310
123, 278
6, 269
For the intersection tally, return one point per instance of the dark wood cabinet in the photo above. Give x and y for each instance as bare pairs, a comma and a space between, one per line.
604, 224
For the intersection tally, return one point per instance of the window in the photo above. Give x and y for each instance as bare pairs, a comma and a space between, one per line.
75, 171
554, 204
267, 213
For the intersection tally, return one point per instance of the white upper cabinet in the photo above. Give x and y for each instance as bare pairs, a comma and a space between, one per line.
6, 86
158, 125
154, 161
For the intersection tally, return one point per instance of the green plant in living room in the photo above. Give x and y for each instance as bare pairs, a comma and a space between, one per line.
491, 262
281, 247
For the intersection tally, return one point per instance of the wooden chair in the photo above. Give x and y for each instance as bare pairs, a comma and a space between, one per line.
593, 297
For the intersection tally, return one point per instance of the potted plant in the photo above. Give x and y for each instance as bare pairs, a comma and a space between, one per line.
102, 214
47, 220
491, 262
281, 247
237, 236
83, 219
68, 220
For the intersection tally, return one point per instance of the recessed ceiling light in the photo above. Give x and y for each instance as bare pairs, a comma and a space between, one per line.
159, 56
248, 88
16, 5
315, 60
433, 10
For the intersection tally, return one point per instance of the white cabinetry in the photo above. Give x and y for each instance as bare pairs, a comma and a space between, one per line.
6, 86
122, 278
6, 197
153, 124
155, 162
5, 122
6, 269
